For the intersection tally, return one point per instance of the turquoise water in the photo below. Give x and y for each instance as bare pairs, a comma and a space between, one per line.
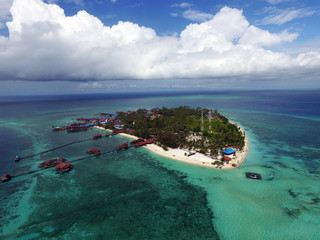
135, 194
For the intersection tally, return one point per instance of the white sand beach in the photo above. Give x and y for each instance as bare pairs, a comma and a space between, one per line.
197, 158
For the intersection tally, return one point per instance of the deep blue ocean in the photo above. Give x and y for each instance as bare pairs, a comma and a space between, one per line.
136, 194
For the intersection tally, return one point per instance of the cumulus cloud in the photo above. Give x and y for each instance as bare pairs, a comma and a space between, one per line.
261, 38
45, 44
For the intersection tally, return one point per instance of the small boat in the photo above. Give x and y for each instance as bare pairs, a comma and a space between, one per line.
97, 136
5, 177
107, 135
94, 151
63, 167
190, 154
119, 147
255, 176
17, 158
125, 146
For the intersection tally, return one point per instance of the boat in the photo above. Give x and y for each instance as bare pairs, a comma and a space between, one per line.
255, 176
63, 167
125, 146
94, 151
97, 136
119, 147
51, 162
190, 154
107, 135
17, 158
5, 177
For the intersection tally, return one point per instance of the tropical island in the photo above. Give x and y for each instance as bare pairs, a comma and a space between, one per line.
198, 136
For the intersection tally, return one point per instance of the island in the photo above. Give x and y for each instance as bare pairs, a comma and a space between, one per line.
194, 135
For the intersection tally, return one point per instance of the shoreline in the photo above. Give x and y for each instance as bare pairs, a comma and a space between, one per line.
198, 159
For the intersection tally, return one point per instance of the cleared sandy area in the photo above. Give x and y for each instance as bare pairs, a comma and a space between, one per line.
196, 159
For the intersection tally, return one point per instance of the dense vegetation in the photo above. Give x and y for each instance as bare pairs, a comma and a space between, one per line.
174, 127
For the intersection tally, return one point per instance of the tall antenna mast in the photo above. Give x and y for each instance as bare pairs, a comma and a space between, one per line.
210, 117
202, 128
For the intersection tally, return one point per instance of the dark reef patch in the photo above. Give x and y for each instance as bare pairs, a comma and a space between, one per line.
279, 164
292, 193
126, 197
293, 212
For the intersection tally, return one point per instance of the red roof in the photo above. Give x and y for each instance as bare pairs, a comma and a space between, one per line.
63, 165
226, 158
143, 143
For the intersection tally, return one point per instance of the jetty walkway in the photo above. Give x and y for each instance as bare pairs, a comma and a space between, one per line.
52, 149
73, 160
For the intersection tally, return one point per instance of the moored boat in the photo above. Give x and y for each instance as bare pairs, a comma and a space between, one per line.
17, 158
5, 177
94, 151
255, 176
97, 136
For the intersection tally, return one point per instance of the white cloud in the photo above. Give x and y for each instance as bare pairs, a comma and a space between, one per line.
277, 1
260, 38
281, 16
77, 2
44, 44
196, 15
113, 1
174, 14
182, 5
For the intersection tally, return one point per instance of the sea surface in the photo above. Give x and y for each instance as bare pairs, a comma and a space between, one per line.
136, 194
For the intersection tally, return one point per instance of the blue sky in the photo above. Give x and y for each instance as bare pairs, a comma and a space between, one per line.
77, 46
